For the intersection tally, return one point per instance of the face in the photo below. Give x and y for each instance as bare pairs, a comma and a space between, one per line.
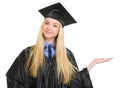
50, 29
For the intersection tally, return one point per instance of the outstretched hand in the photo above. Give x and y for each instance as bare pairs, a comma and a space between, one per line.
97, 61
101, 60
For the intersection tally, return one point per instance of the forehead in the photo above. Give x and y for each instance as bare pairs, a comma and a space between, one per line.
52, 20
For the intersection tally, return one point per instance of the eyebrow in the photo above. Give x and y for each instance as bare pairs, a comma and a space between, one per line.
54, 22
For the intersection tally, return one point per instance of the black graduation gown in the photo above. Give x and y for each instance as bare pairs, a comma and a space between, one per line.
18, 78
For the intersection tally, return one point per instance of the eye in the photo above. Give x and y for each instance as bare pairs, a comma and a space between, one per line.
46, 23
55, 25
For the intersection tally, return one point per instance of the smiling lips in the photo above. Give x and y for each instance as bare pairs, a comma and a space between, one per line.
48, 32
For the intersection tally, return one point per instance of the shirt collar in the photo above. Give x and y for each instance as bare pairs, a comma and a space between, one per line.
46, 44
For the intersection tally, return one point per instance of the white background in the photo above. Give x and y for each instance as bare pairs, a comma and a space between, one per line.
96, 34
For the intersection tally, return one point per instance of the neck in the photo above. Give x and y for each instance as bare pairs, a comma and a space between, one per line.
49, 41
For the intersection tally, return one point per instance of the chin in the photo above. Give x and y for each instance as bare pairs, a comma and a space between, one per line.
48, 36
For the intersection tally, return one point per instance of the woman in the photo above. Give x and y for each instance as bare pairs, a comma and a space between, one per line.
48, 64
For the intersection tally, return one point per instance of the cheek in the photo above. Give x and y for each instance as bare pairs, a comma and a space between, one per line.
56, 32
43, 32
43, 29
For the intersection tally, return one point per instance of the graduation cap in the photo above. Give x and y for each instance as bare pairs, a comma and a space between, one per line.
58, 12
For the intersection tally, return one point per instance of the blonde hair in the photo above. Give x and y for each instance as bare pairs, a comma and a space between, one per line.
65, 69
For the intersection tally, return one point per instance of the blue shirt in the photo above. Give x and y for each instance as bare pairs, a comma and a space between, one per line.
46, 49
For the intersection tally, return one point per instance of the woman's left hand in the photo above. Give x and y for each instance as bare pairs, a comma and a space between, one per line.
101, 60
97, 61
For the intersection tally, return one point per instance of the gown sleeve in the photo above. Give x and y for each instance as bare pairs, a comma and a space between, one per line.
16, 76
82, 78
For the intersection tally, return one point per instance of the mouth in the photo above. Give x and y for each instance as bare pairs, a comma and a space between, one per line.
48, 32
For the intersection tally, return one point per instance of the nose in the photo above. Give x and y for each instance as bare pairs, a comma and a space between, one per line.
49, 27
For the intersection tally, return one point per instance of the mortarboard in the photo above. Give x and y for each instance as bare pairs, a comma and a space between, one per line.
58, 12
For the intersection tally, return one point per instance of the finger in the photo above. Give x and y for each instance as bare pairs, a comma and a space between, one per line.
108, 59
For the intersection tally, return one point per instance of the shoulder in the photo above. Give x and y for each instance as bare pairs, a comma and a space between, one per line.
27, 49
25, 52
16, 70
71, 57
69, 52
20, 59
